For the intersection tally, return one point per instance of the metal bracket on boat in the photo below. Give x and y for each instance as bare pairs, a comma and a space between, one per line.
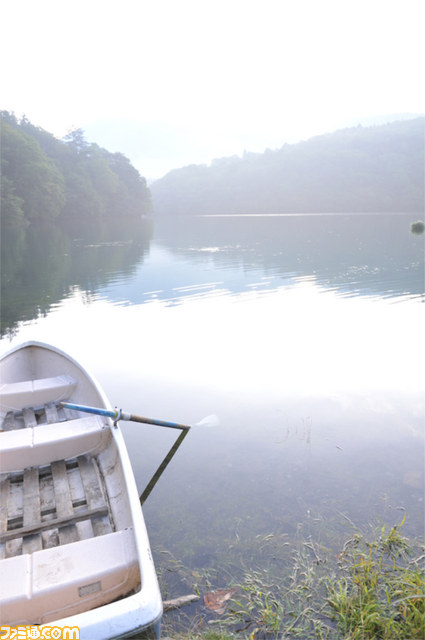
118, 413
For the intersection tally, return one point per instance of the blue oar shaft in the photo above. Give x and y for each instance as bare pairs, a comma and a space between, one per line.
120, 415
115, 415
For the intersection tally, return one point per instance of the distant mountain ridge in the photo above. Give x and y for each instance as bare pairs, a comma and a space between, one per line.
360, 169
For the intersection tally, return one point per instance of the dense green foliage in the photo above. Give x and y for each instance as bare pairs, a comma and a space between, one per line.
373, 169
70, 181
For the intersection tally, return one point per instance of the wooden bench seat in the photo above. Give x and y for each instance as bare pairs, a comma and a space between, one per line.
54, 583
43, 444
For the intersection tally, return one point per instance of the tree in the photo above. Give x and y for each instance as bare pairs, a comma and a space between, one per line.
68, 180
132, 193
35, 178
12, 215
75, 139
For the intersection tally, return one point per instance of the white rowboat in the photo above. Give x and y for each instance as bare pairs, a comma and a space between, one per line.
74, 551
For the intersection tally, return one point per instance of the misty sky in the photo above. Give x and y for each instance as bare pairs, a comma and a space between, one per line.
175, 82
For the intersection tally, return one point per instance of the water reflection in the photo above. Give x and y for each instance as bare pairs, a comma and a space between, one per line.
192, 257
358, 254
351, 255
43, 267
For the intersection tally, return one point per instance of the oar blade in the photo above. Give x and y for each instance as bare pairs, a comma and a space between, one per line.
209, 421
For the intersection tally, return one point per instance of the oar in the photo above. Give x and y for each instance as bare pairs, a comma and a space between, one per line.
209, 421
117, 414
158, 473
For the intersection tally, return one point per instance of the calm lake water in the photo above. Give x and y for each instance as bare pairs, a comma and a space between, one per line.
303, 334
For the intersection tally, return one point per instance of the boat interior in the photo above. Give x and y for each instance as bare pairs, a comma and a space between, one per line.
66, 535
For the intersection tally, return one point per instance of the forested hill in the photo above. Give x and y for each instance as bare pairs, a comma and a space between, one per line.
373, 169
70, 181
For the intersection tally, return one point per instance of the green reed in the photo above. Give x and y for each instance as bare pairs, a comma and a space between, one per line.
381, 593
373, 589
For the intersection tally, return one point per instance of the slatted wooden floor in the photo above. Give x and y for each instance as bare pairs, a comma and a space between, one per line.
48, 414
43, 507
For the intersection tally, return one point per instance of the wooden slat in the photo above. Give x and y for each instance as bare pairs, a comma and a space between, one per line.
29, 418
36, 529
93, 493
13, 548
70, 414
9, 422
51, 413
47, 496
61, 487
90, 481
63, 500
31, 496
4, 501
50, 538
14, 511
31, 505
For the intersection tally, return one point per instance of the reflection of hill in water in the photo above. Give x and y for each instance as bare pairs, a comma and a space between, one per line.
353, 254
45, 266
356, 254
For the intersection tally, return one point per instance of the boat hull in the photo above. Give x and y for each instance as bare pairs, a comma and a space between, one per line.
74, 549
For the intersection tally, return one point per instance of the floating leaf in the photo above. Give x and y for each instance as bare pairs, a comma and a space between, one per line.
413, 479
217, 600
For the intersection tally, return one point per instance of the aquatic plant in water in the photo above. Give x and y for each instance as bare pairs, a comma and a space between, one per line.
417, 227
375, 588
382, 593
